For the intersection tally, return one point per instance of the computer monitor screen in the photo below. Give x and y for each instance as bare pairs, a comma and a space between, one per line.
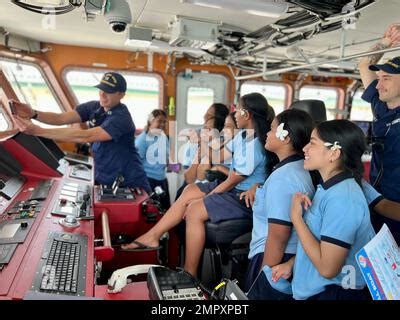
45, 150
9, 166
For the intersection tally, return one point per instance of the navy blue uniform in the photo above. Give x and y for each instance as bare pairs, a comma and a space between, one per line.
119, 155
386, 129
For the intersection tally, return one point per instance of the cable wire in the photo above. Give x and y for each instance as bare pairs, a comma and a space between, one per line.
48, 9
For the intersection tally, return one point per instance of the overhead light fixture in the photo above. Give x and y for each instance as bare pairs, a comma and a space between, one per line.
193, 33
265, 8
139, 37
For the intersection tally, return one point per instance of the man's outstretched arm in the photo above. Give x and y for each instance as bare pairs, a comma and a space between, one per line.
63, 134
25, 111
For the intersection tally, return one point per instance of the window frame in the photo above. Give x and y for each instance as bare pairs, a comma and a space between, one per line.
359, 89
187, 104
44, 71
4, 114
339, 112
161, 100
288, 90
129, 72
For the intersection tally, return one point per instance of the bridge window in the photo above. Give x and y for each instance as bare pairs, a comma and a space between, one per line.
198, 101
143, 94
30, 86
360, 109
328, 95
276, 94
3, 122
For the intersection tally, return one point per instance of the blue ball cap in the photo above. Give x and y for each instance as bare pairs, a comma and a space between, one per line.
392, 66
112, 82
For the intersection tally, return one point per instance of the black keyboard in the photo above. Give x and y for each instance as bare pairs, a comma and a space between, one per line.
62, 268
42, 190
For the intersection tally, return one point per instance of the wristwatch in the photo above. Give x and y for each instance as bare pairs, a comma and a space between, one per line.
35, 114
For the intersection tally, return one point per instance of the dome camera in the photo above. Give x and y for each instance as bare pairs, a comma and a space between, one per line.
118, 15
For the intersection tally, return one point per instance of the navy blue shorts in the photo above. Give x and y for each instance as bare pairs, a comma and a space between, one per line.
253, 270
224, 206
334, 292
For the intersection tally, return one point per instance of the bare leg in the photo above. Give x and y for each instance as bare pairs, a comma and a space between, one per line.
171, 218
196, 215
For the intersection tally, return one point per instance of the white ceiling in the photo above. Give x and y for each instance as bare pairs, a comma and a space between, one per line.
71, 28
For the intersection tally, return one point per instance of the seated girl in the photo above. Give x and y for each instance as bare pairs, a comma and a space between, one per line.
153, 148
214, 120
273, 239
216, 166
210, 201
193, 153
336, 223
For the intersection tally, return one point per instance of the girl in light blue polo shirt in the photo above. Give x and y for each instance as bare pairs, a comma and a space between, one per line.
153, 147
216, 202
273, 239
336, 223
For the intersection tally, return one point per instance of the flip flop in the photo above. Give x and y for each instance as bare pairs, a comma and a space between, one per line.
141, 247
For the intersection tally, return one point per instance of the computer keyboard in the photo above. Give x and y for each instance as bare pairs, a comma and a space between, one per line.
62, 268
42, 190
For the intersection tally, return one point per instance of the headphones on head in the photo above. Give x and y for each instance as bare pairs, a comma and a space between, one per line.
243, 112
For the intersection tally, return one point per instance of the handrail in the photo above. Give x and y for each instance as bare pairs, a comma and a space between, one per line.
314, 64
105, 229
106, 251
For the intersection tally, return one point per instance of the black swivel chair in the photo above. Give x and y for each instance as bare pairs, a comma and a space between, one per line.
226, 251
315, 108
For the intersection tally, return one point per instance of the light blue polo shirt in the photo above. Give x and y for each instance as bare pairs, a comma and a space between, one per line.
339, 215
249, 160
154, 153
372, 196
273, 202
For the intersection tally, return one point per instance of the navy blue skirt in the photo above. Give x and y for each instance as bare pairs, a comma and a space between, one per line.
224, 206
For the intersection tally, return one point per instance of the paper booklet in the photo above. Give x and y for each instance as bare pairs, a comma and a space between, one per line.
379, 262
